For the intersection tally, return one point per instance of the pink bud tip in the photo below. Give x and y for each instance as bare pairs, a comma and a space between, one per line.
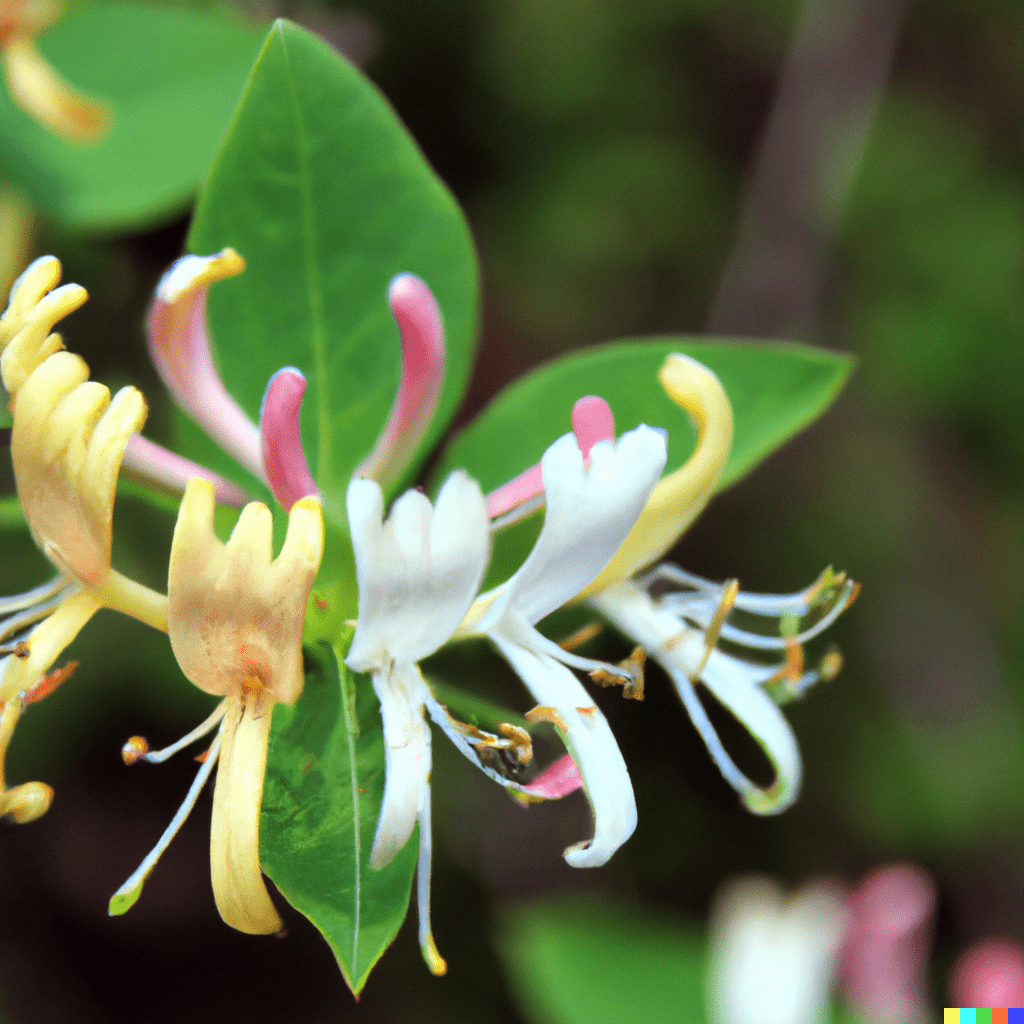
422, 335
284, 461
592, 421
989, 973
521, 489
884, 962
557, 780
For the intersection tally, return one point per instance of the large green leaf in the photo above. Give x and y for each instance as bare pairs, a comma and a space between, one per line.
171, 77
324, 787
775, 389
322, 190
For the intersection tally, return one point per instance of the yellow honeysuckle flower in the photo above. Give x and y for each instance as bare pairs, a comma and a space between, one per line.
35, 85
67, 443
235, 617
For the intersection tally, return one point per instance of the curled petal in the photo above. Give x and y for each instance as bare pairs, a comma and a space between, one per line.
234, 614
179, 344
48, 98
590, 510
238, 887
682, 495
67, 443
155, 465
418, 572
422, 333
592, 747
284, 461
35, 306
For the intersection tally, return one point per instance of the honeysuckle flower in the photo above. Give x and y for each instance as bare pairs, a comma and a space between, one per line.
234, 618
593, 499
418, 573
773, 959
67, 443
35, 85
679, 619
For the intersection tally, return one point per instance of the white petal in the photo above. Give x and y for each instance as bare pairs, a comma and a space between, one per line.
589, 513
592, 745
407, 760
418, 572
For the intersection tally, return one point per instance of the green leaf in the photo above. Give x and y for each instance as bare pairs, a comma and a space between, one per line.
575, 961
579, 962
322, 190
322, 797
171, 77
775, 388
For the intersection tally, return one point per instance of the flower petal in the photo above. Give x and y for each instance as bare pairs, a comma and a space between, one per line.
284, 460
589, 513
592, 746
238, 887
407, 760
418, 572
681, 496
153, 464
179, 345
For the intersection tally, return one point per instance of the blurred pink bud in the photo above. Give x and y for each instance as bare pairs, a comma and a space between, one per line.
989, 973
592, 421
180, 347
284, 461
156, 465
422, 334
884, 963
559, 779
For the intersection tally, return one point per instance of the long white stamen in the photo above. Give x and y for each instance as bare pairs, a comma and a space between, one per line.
124, 899
157, 756
33, 614
16, 602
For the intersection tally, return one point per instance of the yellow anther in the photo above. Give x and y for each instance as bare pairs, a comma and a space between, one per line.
630, 675
135, 749
581, 636
714, 630
519, 739
544, 713
831, 665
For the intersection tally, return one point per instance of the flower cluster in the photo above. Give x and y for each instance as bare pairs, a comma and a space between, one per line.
234, 614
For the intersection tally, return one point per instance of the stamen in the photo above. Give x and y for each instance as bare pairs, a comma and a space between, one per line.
545, 713
204, 727
135, 748
284, 460
630, 675
124, 899
583, 635
36, 595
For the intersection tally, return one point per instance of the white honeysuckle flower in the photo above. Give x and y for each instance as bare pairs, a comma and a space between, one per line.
679, 619
592, 503
418, 572
773, 960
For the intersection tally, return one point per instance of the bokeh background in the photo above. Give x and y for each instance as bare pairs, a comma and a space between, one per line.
843, 172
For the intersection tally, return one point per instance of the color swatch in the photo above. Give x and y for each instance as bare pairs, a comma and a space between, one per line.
962, 1015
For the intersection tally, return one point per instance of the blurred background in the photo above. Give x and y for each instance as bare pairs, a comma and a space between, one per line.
848, 173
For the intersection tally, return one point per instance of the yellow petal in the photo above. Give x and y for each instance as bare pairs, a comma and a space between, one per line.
681, 496
234, 614
67, 444
46, 96
238, 887
46, 642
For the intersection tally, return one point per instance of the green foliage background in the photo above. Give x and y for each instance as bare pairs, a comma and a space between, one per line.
600, 151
